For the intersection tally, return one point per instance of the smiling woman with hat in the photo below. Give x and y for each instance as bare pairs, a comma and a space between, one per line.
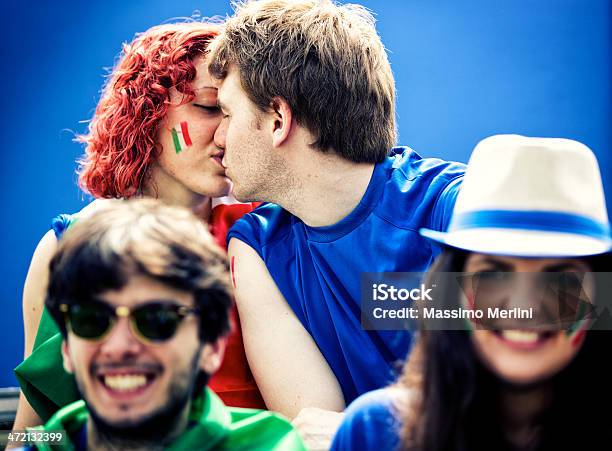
529, 228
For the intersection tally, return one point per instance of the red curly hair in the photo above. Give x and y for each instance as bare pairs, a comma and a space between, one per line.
122, 138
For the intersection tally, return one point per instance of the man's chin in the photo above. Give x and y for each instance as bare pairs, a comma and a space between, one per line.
140, 426
242, 195
119, 426
240, 198
158, 423
155, 425
120, 418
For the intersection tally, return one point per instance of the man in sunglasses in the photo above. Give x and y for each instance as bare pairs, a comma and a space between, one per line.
140, 293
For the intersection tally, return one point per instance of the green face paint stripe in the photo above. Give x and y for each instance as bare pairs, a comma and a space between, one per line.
469, 326
177, 143
579, 320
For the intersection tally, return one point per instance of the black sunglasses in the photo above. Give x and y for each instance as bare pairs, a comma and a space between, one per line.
154, 321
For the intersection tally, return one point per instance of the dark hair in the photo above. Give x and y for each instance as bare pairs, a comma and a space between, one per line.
102, 251
326, 60
456, 405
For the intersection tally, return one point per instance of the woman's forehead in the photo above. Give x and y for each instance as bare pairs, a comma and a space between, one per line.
203, 81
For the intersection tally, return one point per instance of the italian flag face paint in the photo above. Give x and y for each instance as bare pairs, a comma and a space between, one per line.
180, 137
577, 330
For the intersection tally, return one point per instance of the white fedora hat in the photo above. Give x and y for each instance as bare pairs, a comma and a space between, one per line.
530, 197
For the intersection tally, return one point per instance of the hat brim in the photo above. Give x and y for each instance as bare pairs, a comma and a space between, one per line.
520, 243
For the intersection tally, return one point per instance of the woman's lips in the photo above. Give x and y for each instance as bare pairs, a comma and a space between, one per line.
523, 339
218, 158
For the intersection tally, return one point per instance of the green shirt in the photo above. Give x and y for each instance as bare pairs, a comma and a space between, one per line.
217, 427
44, 382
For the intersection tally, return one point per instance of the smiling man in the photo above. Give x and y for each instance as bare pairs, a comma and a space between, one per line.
140, 292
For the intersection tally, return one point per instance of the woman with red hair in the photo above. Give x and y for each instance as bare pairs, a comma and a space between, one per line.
151, 135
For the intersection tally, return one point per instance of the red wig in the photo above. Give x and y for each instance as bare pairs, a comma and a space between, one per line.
122, 138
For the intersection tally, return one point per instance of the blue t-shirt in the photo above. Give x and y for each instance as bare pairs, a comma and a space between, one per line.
370, 423
318, 269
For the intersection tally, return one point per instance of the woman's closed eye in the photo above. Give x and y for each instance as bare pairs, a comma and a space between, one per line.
213, 109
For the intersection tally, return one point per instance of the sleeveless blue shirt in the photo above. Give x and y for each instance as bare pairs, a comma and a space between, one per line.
317, 269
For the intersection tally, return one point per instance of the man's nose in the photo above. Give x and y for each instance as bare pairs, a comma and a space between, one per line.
121, 341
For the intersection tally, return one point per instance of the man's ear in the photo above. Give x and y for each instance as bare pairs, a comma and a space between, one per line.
66, 356
282, 117
212, 355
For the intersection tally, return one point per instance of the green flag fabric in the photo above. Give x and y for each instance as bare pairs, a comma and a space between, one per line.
214, 427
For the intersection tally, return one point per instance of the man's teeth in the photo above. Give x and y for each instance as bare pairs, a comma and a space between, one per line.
520, 336
125, 382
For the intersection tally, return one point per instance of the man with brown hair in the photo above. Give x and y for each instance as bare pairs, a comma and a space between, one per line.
140, 293
308, 103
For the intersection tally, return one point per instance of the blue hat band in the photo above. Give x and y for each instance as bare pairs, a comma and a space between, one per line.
544, 221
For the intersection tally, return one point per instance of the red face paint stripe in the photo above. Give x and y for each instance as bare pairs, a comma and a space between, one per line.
185, 131
233, 274
577, 339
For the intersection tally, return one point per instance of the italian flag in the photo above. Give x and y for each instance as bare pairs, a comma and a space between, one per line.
180, 137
